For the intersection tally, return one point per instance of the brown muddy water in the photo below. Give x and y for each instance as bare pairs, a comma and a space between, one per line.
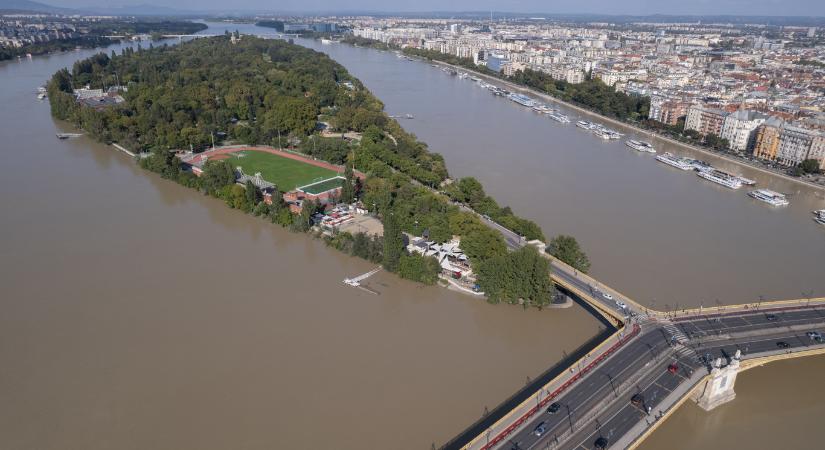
138, 314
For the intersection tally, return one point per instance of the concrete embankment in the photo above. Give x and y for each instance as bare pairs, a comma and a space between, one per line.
625, 126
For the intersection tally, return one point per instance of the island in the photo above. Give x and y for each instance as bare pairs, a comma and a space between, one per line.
287, 134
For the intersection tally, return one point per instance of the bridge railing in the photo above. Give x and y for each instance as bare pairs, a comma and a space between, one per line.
541, 403
721, 310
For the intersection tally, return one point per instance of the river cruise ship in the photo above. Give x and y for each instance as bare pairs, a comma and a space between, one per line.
640, 146
720, 177
521, 100
675, 161
770, 197
559, 117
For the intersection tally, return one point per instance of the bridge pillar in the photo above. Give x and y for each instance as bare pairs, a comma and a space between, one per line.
718, 389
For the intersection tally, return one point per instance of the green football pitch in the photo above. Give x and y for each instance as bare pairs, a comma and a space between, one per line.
286, 173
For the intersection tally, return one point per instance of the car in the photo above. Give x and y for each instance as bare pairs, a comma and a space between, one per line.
783, 344
601, 443
540, 429
620, 304
814, 336
553, 408
607, 296
771, 317
673, 368
636, 400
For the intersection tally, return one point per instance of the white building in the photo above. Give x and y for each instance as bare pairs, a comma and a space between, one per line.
739, 128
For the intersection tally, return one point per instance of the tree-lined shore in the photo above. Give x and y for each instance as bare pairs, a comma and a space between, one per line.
256, 91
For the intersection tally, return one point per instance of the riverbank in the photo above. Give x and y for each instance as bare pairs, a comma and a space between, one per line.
626, 126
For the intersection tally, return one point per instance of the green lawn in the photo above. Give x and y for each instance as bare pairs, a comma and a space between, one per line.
287, 174
324, 186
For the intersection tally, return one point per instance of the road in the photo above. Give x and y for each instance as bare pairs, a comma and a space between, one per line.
599, 405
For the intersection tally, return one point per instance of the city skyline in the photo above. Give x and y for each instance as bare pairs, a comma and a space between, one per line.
801, 8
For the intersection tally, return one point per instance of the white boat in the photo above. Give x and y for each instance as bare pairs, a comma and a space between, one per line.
522, 100
719, 177
640, 146
819, 213
746, 181
558, 117
584, 124
675, 161
602, 134
770, 197
41, 96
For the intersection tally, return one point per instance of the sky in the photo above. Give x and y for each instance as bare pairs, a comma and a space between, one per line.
632, 7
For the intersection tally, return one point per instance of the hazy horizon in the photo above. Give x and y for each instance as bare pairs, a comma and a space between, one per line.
805, 8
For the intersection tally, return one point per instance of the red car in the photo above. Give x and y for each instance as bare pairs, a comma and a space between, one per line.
673, 368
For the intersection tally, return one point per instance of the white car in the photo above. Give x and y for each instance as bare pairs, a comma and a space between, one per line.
607, 296
620, 304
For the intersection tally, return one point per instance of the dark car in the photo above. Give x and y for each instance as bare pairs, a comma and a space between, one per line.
783, 344
601, 443
540, 429
553, 408
673, 368
771, 317
636, 400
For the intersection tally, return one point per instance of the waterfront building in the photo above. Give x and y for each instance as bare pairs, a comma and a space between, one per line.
667, 111
705, 120
739, 128
794, 145
766, 143
818, 150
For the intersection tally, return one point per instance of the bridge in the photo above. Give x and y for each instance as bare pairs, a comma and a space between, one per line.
618, 388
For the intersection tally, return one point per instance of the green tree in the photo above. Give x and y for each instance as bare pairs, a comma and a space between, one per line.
348, 189
522, 276
415, 267
809, 166
393, 243
567, 249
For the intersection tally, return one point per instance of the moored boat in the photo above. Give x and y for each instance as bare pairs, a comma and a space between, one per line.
640, 146
719, 177
675, 161
770, 197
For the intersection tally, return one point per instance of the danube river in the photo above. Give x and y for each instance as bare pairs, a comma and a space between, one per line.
139, 314
664, 237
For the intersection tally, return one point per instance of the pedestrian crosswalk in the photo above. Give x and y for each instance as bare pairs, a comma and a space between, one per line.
676, 335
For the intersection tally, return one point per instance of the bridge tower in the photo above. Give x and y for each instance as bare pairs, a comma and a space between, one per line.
718, 389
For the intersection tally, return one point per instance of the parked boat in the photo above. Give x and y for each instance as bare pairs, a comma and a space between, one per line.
602, 134
675, 161
746, 181
640, 146
522, 100
584, 124
558, 117
719, 177
770, 197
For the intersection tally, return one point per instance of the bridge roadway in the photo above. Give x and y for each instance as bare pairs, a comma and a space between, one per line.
599, 405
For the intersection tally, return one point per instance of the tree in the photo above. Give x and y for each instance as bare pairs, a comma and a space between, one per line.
522, 276
809, 166
420, 268
253, 194
303, 222
348, 189
567, 249
393, 243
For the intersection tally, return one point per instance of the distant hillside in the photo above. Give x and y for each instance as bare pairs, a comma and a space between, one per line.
30, 6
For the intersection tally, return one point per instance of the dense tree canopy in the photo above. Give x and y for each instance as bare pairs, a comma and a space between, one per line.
567, 249
271, 92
